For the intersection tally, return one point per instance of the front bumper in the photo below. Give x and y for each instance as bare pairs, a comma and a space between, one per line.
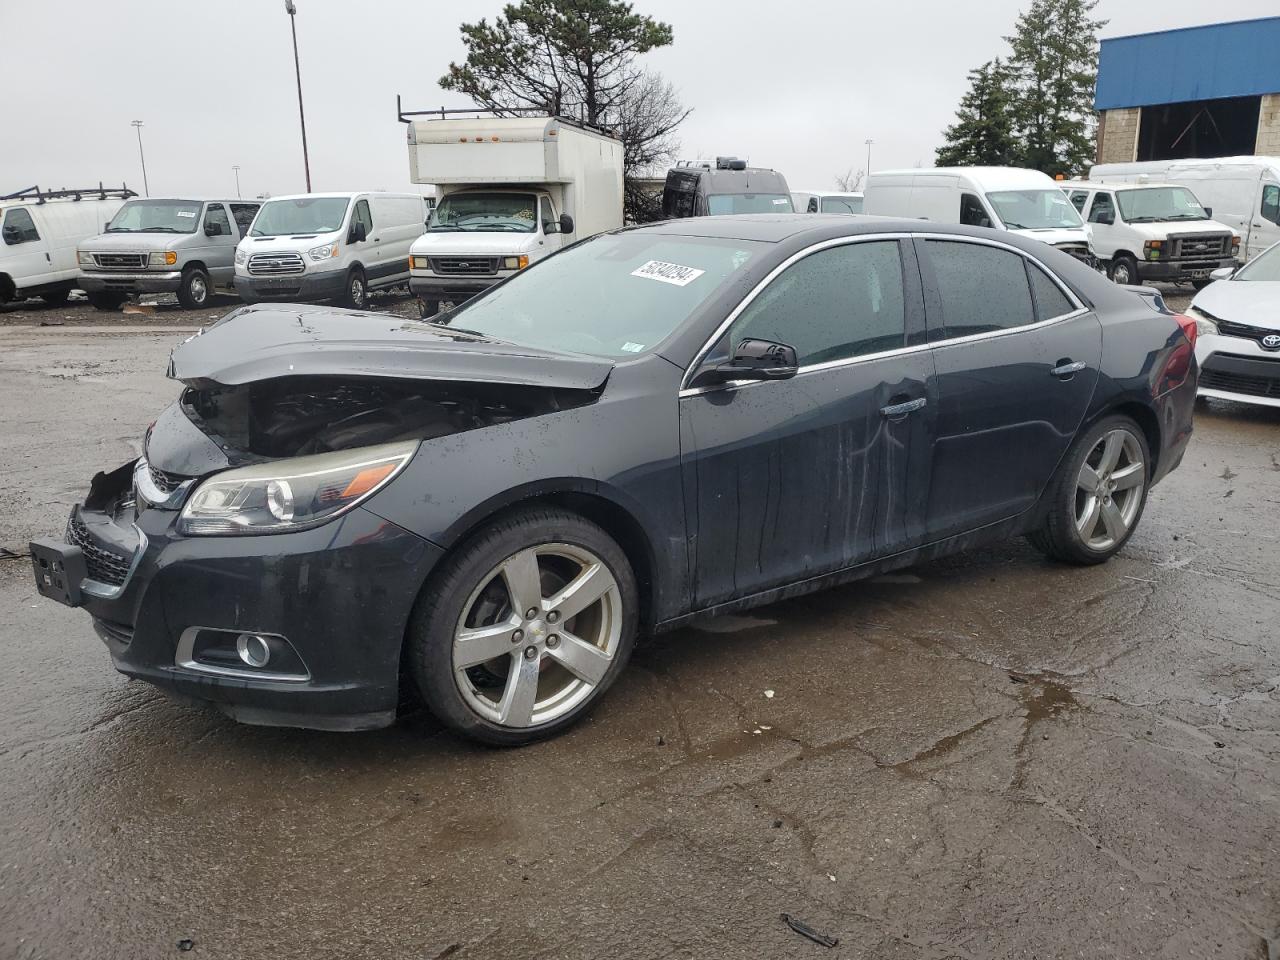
340, 594
1236, 368
298, 287
456, 289
145, 282
1182, 269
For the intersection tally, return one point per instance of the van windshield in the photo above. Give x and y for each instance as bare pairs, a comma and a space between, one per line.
1159, 204
302, 216
486, 213
156, 216
723, 203
1035, 210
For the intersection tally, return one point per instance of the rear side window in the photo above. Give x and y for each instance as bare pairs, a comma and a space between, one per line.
1103, 207
244, 214
19, 227
972, 211
839, 303
1050, 300
982, 288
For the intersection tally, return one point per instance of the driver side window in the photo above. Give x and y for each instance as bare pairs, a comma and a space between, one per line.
216, 214
972, 212
838, 303
1103, 208
1271, 203
362, 215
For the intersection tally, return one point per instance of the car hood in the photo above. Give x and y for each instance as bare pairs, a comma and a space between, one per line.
1254, 302
260, 343
1052, 236
133, 242
461, 243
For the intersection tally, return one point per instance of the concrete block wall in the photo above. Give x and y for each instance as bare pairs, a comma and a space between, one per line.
1268, 144
1118, 135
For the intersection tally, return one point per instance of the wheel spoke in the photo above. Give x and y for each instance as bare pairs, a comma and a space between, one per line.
516, 707
1111, 452
582, 591
524, 583
1129, 476
1088, 479
482, 644
1113, 520
1087, 523
585, 661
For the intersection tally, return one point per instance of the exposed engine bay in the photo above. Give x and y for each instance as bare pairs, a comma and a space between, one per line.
295, 416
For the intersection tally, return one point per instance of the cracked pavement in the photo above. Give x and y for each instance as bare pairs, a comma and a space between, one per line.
985, 757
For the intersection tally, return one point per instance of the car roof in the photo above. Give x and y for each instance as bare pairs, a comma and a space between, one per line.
199, 199
988, 178
815, 227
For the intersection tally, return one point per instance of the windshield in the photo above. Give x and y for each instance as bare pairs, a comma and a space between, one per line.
1035, 210
156, 216
616, 295
749, 203
1159, 204
486, 213
303, 216
1265, 266
841, 204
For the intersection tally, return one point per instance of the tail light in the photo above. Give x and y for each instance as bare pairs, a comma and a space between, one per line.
1178, 363
1188, 326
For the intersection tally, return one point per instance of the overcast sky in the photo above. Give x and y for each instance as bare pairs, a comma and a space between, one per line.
798, 86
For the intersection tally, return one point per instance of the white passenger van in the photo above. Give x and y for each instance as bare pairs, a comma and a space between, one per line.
1241, 192
1025, 202
328, 246
39, 233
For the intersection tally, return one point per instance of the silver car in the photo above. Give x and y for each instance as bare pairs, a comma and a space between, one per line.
154, 245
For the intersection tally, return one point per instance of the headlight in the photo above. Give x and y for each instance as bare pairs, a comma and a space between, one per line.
1204, 326
1235, 245
241, 257
86, 259
1152, 249
515, 263
293, 494
323, 253
163, 258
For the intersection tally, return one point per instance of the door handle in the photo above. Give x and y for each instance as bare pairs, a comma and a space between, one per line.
899, 410
1065, 370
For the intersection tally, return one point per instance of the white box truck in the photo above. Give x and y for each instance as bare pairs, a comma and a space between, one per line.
509, 191
1241, 192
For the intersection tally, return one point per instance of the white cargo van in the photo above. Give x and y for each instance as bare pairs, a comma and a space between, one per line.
39, 233
328, 246
509, 191
1025, 202
1152, 231
826, 201
1241, 192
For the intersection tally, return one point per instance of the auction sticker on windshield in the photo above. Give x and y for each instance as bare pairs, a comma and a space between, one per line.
668, 272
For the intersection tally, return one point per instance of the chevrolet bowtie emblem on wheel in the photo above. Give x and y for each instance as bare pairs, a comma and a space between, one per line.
1271, 341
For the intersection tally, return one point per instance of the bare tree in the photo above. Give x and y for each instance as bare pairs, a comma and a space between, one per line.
849, 182
645, 120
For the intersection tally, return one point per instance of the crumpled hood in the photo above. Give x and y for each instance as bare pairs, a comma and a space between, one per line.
264, 342
132, 242
1254, 302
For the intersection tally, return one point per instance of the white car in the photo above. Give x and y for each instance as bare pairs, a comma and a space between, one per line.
1238, 332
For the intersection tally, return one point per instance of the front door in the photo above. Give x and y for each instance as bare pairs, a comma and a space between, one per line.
791, 479
221, 239
1017, 361
1264, 225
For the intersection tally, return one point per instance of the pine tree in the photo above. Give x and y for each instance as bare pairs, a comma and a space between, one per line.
983, 132
1055, 61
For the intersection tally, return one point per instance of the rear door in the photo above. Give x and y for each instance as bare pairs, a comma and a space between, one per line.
1017, 359
26, 253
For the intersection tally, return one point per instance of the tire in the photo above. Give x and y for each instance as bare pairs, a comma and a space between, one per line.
470, 593
1200, 284
1124, 271
56, 298
428, 308
195, 289
1068, 533
107, 301
356, 295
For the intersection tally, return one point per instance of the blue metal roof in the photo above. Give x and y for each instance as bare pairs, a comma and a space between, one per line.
1195, 63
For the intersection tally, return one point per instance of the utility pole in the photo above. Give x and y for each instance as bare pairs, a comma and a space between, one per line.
869, 143
236, 168
297, 68
137, 125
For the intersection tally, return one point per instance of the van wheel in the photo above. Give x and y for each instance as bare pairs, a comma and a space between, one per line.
1200, 284
56, 298
357, 291
194, 289
1124, 271
524, 628
428, 308
107, 301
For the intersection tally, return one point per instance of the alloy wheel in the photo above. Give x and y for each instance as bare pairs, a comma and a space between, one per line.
537, 635
357, 290
1109, 490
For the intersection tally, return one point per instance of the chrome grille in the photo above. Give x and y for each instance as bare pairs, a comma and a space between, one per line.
104, 566
276, 264
120, 261
465, 266
1243, 330
1202, 245
166, 483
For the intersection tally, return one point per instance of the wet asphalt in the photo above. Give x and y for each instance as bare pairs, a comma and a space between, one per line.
990, 756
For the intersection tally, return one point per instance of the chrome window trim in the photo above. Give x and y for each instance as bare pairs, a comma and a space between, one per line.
184, 657
1081, 310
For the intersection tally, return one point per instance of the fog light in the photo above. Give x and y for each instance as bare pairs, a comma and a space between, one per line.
253, 649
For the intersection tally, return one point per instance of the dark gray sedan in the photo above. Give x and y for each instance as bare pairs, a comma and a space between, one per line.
656, 424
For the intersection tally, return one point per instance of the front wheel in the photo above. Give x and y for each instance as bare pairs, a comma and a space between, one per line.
357, 293
1097, 498
107, 301
524, 628
56, 297
194, 289
1124, 271
428, 308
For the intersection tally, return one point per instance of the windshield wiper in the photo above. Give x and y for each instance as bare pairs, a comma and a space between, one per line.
161, 230
1016, 226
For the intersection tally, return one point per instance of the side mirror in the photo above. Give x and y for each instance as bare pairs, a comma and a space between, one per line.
566, 223
755, 360
106, 226
212, 230
358, 233
1222, 273
1106, 218
11, 235
1208, 212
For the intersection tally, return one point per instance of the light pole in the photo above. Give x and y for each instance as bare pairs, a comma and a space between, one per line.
137, 125
869, 143
297, 69
236, 168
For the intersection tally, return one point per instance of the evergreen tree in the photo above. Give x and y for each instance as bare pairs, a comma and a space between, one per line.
1055, 60
983, 132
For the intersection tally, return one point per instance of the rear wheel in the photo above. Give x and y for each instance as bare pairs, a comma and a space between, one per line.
56, 298
1124, 271
195, 289
525, 628
1097, 498
103, 300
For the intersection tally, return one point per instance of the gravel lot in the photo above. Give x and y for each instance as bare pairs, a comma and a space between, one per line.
987, 757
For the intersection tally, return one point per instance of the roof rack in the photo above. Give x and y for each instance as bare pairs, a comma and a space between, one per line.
99, 192
443, 113
721, 163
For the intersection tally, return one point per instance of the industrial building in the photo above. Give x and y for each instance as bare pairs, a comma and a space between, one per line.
1209, 91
